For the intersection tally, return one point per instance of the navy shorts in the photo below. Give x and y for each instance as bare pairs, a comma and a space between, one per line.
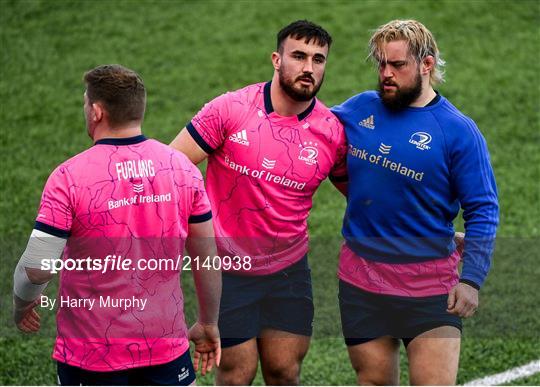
282, 301
366, 316
178, 372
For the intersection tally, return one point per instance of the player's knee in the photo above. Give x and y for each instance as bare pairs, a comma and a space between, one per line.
377, 377
282, 374
235, 376
433, 379
374, 379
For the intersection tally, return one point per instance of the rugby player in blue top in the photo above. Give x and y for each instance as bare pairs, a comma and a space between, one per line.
413, 161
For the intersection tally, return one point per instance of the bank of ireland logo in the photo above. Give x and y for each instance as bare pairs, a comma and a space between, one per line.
421, 140
268, 164
240, 137
385, 149
138, 186
308, 152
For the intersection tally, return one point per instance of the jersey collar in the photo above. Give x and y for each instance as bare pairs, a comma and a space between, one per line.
122, 140
270, 108
434, 100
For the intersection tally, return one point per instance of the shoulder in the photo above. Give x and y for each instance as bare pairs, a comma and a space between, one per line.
66, 172
80, 160
160, 150
459, 130
238, 100
355, 102
323, 112
252, 90
453, 121
247, 93
180, 161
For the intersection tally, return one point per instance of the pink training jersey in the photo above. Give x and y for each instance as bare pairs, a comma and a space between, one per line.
263, 170
407, 279
125, 199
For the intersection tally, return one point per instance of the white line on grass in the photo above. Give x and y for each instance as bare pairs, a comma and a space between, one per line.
506, 377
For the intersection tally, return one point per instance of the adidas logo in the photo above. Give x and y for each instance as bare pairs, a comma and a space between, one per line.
368, 122
240, 138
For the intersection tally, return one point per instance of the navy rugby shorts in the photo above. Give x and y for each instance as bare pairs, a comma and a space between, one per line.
366, 316
178, 372
281, 301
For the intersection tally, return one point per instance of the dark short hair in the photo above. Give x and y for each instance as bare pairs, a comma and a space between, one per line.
304, 29
120, 90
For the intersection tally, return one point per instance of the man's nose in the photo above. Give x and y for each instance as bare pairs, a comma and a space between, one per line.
308, 66
385, 71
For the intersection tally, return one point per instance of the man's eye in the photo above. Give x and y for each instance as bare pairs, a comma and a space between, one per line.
318, 60
298, 56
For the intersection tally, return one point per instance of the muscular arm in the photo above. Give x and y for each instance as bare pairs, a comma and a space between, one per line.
201, 243
204, 333
187, 145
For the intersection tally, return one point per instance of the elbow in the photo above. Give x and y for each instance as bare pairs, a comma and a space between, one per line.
37, 276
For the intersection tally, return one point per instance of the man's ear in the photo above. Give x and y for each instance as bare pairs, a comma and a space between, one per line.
276, 60
98, 112
427, 64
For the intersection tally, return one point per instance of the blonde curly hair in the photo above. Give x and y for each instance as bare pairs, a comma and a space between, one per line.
419, 39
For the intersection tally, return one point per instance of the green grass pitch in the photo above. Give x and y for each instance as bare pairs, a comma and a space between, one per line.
191, 51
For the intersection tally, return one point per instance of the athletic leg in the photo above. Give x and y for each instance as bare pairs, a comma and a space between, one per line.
281, 355
239, 326
376, 362
366, 321
238, 364
287, 319
434, 356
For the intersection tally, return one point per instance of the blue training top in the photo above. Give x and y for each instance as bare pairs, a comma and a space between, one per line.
409, 172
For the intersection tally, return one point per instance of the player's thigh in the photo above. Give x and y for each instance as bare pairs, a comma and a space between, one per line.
281, 355
364, 315
434, 356
240, 308
288, 305
376, 361
238, 364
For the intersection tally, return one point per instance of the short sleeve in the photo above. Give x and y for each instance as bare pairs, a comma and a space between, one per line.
208, 126
338, 173
55, 214
201, 210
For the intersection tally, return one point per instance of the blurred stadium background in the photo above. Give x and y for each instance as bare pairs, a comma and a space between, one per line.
191, 51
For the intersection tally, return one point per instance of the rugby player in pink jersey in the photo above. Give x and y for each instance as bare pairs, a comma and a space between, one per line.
269, 147
125, 198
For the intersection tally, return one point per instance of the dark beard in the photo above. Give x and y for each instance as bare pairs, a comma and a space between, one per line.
301, 95
403, 97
